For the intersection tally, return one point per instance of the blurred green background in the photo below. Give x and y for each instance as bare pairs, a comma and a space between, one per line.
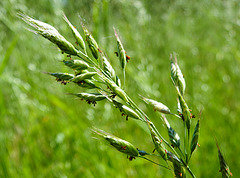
46, 133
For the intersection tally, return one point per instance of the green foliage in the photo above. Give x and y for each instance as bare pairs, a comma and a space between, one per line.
43, 132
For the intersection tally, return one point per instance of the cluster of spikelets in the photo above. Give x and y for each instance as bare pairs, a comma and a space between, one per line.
92, 70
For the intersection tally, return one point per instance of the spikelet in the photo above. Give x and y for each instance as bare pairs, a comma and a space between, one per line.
92, 44
87, 84
195, 137
224, 168
108, 69
118, 143
76, 34
83, 76
121, 54
49, 32
157, 106
116, 89
126, 110
157, 141
62, 76
90, 96
78, 65
177, 76
173, 136
179, 170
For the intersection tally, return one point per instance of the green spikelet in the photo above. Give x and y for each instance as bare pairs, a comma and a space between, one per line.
118, 143
157, 106
157, 141
177, 76
173, 136
62, 76
126, 110
108, 69
121, 55
50, 33
76, 34
83, 76
195, 137
224, 168
76, 64
92, 44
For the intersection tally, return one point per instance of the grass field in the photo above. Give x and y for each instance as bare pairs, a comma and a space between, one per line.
46, 133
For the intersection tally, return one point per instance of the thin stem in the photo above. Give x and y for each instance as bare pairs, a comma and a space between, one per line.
155, 162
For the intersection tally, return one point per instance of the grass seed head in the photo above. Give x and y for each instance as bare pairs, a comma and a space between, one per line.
49, 32
78, 65
76, 34
92, 44
118, 143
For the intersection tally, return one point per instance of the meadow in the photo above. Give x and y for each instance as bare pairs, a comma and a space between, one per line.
46, 133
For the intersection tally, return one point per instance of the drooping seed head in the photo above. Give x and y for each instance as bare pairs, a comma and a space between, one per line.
92, 44
78, 65
118, 143
49, 32
157, 106
75, 33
